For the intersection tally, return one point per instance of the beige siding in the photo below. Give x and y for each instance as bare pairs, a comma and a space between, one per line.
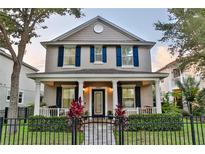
146, 96
50, 95
52, 59
89, 34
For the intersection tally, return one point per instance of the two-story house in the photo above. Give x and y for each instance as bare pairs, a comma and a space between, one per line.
103, 64
175, 74
26, 85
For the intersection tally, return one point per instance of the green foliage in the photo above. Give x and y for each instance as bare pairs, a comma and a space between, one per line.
167, 106
199, 105
41, 123
190, 88
156, 122
185, 33
170, 108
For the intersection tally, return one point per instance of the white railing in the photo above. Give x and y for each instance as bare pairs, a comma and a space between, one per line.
51, 112
141, 110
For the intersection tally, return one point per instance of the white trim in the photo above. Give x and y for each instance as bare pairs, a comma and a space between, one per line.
98, 63
68, 86
68, 66
110, 76
90, 99
128, 66
128, 85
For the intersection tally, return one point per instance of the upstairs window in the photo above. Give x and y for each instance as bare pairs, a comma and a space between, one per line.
69, 56
176, 73
98, 54
127, 56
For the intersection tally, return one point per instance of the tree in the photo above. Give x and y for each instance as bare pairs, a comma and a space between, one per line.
17, 28
199, 107
189, 88
184, 32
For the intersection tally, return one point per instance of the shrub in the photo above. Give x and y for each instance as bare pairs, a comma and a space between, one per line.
41, 123
170, 108
155, 122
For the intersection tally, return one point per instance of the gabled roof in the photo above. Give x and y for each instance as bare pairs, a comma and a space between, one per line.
168, 65
60, 38
3, 53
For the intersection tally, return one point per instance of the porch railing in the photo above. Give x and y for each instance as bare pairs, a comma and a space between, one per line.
50, 112
141, 110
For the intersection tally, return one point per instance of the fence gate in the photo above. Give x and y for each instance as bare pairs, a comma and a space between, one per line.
95, 130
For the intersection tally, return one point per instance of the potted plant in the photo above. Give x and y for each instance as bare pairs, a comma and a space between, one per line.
110, 114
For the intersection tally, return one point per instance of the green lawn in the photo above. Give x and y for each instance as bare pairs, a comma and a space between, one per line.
25, 137
182, 137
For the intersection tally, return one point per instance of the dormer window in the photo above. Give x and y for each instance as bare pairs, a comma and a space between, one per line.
69, 56
127, 56
98, 54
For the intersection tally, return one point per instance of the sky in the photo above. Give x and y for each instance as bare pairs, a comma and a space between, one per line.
137, 21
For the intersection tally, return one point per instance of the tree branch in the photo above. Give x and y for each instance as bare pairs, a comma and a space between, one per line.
7, 42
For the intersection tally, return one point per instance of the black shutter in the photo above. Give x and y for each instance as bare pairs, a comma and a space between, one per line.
60, 56
58, 97
137, 96
119, 92
76, 92
104, 54
118, 56
135, 56
77, 56
92, 54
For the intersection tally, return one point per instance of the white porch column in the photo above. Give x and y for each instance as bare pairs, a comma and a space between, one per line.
115, 95
80, 90
158, 97
37, 98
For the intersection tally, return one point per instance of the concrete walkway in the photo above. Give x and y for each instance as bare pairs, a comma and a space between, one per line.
99, 134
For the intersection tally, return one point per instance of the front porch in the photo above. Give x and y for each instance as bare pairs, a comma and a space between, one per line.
100, 90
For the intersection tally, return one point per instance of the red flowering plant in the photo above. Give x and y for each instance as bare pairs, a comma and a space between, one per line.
76, 109
121, 118
75, 112
119, 111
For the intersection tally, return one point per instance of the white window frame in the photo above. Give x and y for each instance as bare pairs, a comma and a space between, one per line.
126, 65
66, 49
67, 87
8, 94
95, 53
133, 87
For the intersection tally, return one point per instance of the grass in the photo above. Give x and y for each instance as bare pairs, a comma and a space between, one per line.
25, 137
181, 137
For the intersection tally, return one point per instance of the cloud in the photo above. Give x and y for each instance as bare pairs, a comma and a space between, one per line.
161, 58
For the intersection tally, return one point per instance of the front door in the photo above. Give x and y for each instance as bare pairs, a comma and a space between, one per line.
98, 102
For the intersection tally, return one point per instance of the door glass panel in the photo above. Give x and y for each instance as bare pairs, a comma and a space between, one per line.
98, 102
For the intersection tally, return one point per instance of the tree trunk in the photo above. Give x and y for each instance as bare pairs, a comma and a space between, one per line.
14, 94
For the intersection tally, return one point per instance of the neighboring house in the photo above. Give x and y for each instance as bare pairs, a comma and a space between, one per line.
175, 74
26, 85
102, 63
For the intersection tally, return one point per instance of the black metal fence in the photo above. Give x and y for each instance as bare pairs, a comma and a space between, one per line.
23, 112
106, 130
